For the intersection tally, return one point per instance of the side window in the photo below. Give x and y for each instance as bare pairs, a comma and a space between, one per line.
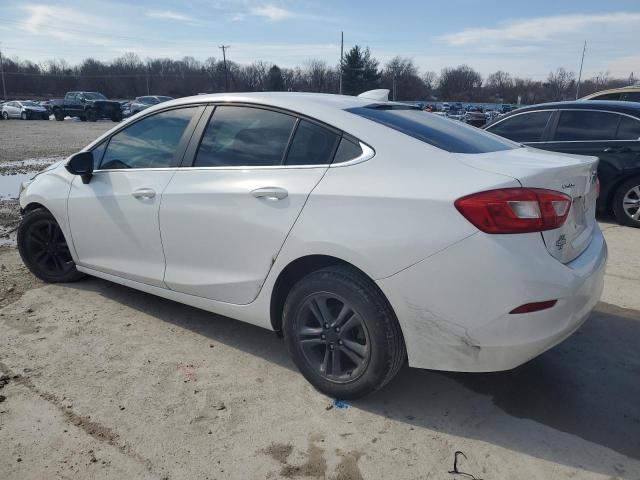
244, 137
629, 129
148, 143
98, 152
347, 150
580, 125
608, 96
525, 127
632, 97
312, 145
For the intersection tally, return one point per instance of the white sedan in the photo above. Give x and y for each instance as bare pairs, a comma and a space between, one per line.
366, 232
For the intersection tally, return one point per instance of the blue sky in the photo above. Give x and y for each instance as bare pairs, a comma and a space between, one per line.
524, 38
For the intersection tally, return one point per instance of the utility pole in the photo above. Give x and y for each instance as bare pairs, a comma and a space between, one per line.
226, 70
341, 58
4, 88
394, 83
580, 74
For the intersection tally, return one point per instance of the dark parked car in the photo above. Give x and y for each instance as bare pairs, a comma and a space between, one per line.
87, 106
609, 130
140, 103
475, 118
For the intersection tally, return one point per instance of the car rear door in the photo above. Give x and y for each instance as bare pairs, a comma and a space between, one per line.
593, 132
225, 215
114, 218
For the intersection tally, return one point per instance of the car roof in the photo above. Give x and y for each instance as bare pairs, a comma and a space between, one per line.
625, 89
631, 108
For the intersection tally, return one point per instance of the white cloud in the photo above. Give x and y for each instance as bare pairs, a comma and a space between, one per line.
45, 20
540, 28
169, 15
272, 12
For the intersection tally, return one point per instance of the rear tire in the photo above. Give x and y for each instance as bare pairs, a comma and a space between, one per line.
338, 311
5, 115
117, 118
626, 203
58, 114
24, 116
44, 249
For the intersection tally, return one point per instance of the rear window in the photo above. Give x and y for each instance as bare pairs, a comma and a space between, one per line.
450, 135
629, 129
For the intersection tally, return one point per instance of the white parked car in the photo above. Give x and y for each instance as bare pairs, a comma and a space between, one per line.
24, 109
365, 232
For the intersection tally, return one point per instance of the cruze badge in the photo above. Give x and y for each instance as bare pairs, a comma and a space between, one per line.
568, 185
562, 241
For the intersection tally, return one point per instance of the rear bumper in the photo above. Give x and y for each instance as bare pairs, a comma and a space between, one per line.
453, 307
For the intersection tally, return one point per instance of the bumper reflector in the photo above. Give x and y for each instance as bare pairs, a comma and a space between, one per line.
534, 307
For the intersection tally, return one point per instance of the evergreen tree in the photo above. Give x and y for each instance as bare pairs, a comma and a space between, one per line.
275, 80
359, 71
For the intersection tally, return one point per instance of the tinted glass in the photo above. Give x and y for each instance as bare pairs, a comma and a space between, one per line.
632, 97
98, 152
608, 96
526, 127
347, 150
244, 137
449, 135
149, 143
629, 129
312, 145
577, 125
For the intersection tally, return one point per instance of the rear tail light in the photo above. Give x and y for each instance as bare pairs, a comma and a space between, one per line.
515, 210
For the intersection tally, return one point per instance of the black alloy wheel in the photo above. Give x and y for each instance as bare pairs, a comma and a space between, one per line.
44, 249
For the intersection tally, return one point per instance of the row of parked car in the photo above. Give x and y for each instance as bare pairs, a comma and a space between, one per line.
87, 106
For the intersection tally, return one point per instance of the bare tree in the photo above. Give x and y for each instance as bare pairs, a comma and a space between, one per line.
561, 83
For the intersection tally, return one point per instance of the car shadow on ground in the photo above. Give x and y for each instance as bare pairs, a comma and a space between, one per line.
588, 386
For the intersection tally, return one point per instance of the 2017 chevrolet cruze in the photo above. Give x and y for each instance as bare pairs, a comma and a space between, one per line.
366, 232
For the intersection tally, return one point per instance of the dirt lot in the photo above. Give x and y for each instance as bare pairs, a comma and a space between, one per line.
101, 381
41, 138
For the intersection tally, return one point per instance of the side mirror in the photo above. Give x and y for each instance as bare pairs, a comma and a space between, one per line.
81, 164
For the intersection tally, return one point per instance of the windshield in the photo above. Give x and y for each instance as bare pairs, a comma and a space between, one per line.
450, 135
29, 104
164, 99
94, 96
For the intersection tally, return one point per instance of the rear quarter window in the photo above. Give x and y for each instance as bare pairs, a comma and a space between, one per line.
449, 135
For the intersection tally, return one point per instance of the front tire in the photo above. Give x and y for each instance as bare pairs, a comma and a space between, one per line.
626, 203
341, 333
44, 249
58, 114
90, 114
5, 115
24, 116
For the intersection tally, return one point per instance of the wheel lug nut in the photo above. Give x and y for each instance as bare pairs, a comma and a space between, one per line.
331, 347
339, 342
326, 325
323, 336
337, 329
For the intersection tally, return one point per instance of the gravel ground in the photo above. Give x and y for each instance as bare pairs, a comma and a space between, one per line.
41, 138
104, 382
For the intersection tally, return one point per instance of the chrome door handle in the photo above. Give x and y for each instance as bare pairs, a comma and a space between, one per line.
270, 193
144, 193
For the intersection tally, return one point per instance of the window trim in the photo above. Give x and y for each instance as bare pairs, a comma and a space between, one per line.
552, 132
189, 157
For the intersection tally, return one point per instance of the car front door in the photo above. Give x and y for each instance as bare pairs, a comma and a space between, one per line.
14, 110
225, 217
114, 218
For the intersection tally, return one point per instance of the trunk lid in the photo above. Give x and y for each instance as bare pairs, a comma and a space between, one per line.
574, 175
